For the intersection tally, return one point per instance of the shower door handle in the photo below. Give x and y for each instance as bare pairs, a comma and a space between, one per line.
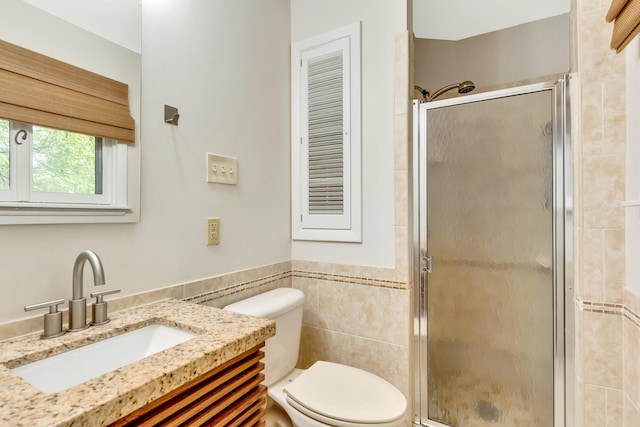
427, 264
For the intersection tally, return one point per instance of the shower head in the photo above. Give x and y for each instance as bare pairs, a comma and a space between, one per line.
464, 87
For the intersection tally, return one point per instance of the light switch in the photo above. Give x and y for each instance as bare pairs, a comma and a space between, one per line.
222, 169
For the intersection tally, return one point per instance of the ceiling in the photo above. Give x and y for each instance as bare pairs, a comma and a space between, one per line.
459, 19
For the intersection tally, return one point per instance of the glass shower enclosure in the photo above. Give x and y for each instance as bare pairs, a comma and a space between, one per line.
492, 185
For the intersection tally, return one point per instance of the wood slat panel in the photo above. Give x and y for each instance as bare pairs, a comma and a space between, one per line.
202, 398
239, 415
213, 404
197, 401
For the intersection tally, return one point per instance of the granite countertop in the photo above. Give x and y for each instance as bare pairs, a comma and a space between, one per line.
222, 335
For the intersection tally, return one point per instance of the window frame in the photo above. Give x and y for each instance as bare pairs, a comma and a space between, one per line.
348, 226
20, 204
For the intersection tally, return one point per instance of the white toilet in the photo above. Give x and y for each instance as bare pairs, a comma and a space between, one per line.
326, 394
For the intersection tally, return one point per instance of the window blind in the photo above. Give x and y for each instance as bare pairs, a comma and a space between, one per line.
326, 128
40, 90
625, 15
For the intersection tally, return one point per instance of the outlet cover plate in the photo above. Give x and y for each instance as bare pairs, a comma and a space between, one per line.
222, 169
213, 231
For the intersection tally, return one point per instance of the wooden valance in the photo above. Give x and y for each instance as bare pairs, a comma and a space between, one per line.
625, 15
40, 90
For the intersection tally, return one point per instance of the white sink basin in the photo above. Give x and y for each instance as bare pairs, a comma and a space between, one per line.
62, 371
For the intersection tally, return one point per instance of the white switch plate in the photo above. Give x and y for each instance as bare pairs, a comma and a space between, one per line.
222, 169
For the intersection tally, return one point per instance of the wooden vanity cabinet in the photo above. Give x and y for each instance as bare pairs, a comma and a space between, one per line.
229, 395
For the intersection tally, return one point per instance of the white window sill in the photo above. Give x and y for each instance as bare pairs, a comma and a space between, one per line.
53, 213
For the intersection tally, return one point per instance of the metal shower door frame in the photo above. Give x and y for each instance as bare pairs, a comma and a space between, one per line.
563, 283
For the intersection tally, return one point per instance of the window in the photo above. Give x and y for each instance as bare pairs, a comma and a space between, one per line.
326, 180
42, 166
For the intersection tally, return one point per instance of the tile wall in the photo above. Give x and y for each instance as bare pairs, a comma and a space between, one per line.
607, 314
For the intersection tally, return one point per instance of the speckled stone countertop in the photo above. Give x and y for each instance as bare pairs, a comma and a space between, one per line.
221, 336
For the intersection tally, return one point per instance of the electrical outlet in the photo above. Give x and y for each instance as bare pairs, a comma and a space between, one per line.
213, 231
222, 169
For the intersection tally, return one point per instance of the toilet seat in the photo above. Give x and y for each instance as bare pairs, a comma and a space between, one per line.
345, 396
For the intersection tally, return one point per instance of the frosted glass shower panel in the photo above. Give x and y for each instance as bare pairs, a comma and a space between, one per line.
490, 232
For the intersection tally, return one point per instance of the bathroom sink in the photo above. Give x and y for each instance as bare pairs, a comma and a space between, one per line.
62, 371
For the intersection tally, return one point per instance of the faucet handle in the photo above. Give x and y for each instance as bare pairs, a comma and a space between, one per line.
99, 308
52, 320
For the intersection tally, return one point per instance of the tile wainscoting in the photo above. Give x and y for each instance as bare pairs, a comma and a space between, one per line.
608, 370
354, 315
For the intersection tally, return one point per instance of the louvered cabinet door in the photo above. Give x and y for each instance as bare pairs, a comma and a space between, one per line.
229, 395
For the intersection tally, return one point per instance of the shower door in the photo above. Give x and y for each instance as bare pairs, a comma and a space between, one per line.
491, 244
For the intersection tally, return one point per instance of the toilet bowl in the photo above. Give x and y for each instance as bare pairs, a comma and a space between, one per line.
325, 394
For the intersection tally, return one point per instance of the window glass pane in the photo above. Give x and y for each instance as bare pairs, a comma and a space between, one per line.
65, 162
4, 155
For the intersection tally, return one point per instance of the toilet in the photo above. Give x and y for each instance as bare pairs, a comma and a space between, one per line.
326, 394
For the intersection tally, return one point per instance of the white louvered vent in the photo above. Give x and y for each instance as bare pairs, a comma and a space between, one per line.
326, 129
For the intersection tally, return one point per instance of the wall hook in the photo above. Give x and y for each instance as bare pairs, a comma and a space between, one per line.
171, 115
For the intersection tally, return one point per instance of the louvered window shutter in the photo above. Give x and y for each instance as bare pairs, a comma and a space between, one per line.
326, 154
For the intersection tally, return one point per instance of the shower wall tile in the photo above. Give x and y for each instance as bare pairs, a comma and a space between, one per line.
591, 119
590, 5
593, 265
401, 72
596, 60
604, 407
614, 116
401, 136
578, 344
401, 189
602, 349
604, 177
632, 301
631, 414
631, 361
615, 408
402, 254
595, 406
579, 403
614, 266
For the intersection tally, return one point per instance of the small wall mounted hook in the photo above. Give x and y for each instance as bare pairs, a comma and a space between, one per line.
171, 115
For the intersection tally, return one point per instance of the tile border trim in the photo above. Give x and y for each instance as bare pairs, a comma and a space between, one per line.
354, 280
610, 308
237, 288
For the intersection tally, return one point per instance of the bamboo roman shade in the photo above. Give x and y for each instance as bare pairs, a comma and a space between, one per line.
625, 15
40, 90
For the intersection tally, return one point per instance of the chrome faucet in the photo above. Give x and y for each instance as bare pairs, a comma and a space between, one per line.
78, 304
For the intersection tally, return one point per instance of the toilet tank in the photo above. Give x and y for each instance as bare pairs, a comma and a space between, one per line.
284, 306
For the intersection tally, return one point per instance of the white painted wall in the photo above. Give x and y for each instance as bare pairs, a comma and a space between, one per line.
381, 20
225, 65
460, 19
632, 229
532, 50
115, 20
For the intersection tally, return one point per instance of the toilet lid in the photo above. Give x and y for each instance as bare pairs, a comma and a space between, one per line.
347, 394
